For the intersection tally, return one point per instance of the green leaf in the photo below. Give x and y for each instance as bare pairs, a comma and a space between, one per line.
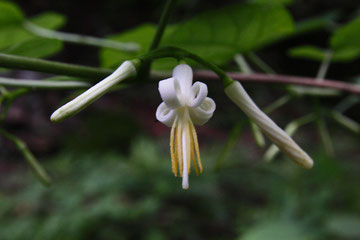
275, 230
308, 52
321, 22
142, 35
15, 39
36, 47
10, 13
345, 226
347, 37
50, 20
318, 54
12, 34
234, 29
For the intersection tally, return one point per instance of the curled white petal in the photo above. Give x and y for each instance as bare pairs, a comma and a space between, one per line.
204, 112
170, 92
199, 92
126, 69
165, 114
184, 74
279, 137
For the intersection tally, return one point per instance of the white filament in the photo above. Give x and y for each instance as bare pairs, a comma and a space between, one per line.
185, 175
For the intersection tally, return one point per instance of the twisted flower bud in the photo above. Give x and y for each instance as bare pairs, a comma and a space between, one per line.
279, 137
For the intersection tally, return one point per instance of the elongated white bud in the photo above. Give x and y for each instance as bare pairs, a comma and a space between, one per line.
273, 150
239, 96
126, 69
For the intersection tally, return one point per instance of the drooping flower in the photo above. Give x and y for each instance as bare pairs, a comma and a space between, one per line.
184, 104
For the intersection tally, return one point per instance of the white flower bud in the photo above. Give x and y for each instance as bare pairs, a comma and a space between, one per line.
126, 69
238, 95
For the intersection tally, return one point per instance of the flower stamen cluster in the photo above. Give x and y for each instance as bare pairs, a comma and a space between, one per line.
185, 104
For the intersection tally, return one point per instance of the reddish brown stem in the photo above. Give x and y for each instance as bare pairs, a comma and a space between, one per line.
272, 78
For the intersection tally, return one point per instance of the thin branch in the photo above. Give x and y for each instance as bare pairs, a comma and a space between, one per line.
43, 84
285, 79
324, 67
164, 18
40, 65
29, 157
260, 63
81, 39
242, 64
277, 103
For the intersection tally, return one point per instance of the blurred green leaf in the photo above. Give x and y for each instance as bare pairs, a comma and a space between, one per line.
142, 35
50, 20
10, 13
11, 18
345, 226
36, 47
318, 54
15, 39
276, 230
230, 30
308, 52
347, 37
345, 41
322, 22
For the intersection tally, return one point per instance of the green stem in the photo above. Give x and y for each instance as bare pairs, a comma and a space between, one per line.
29, 157
290, 129
260, 63
181, 54
323, 130
9, 98
229, 145
242, 64
258, 135
165, 15
325, 137
144, 70
347, 103
35, 64
277, 103
346, 122
43, 84
324, 67
81, 39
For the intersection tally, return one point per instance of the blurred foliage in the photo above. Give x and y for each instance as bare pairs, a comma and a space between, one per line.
226, 31
106, 195
15, 39
344, 43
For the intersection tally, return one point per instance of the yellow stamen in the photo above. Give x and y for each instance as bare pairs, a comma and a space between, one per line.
196, 144
173, 148
193, 154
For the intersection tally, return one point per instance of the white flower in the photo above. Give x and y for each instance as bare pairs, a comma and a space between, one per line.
280, 138
184, 104
125, 70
